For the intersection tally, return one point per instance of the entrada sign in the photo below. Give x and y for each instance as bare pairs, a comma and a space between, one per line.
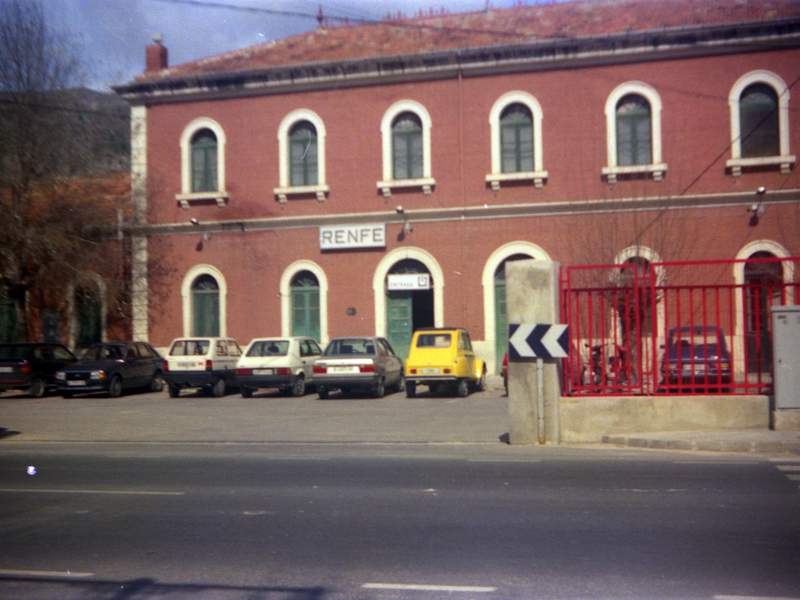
340, 237
408, 281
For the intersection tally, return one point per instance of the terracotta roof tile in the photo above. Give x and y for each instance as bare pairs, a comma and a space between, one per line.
571, 19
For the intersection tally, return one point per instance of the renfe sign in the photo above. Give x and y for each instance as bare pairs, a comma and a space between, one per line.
339, 237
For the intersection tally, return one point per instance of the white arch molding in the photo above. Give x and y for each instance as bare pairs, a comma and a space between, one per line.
186, 194
379, 284
286, 297
286, 189
186, 297
486, 348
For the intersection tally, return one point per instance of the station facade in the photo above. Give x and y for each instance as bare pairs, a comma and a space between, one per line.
376, 178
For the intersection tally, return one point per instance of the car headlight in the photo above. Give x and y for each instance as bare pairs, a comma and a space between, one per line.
97, 374
61, 376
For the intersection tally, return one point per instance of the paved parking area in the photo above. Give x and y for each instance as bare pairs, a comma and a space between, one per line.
266, 417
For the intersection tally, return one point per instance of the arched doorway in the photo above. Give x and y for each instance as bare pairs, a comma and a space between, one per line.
500, 315
88, 318
205, 306
305, 292
409, 303
763, 285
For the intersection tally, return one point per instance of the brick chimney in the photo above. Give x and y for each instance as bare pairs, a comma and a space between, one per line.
155, 56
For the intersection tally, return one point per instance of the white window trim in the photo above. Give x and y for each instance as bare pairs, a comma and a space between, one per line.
186, 197
287, 190
656, 168
538, 175
379, 284
186, 297
784, 160
426, 182
286, 297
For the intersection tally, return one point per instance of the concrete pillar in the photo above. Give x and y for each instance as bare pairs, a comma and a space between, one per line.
533, 393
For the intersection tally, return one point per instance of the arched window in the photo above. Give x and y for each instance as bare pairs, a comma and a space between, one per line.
758, 113
633, 133
407, 150
204, 161
205, 306
406, 145
634, 128
759, 108
516, 139
303, 154
305, 305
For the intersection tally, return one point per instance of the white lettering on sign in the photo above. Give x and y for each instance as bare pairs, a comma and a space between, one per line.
338, 237
409, 281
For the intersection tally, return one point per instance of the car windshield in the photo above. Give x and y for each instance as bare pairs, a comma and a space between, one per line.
12, 352
697, 343
269, 348
102, 352
350, 346
189, 348
434, 340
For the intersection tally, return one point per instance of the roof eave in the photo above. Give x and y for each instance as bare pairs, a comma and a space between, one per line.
472, 61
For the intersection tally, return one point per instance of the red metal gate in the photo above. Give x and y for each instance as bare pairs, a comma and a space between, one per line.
679, 328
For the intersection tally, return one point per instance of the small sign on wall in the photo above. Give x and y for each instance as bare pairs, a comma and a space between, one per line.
408, 281
341, 237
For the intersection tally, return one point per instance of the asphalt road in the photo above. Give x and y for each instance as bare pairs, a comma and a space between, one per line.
389, 521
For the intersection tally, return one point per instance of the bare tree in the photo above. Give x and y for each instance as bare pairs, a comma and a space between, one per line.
57, 218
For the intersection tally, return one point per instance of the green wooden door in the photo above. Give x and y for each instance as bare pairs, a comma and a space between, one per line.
500, 318
399, 322
305, 312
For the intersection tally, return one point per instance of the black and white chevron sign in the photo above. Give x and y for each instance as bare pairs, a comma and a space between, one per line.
537, 341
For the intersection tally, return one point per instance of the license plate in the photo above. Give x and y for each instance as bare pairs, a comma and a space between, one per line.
263, 371
342, 369
430, 371
6, 369
78, 383
187, 365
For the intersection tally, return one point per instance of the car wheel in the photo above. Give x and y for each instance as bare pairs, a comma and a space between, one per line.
401, 382
299, 387
411, 389
323, 393
218, 390
378, 390
462, 388
37, 388
157, 384
115, 387
246, 392
174, 391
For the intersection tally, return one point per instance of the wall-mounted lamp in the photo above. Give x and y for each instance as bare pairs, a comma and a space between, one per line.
194, 221
399, 210
408, 227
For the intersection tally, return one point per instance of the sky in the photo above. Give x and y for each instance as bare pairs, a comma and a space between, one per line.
112, 34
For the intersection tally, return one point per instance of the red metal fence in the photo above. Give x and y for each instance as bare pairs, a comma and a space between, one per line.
676, 328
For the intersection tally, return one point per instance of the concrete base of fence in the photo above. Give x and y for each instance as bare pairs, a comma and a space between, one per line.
786, 420
588, 419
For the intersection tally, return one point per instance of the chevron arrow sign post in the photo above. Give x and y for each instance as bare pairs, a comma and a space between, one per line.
526, 340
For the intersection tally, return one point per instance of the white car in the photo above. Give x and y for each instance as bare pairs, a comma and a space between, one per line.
283, 363
201, 362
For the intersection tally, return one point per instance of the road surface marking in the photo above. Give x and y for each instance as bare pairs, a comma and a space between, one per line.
11, 573
428, 588
788, 467
754, 598
109, 492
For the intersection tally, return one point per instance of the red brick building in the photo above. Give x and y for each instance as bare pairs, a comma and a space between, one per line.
374, 178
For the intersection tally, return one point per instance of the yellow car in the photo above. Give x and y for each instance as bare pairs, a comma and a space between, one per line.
444, 357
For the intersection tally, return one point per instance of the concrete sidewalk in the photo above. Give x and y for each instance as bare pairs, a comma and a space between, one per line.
481, 418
